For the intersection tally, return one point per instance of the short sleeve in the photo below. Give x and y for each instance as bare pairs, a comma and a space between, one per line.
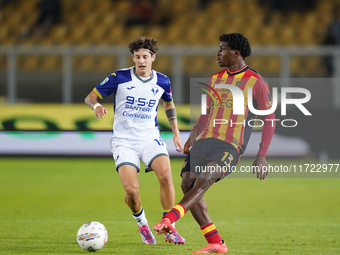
167, 95
107, 86
164, 82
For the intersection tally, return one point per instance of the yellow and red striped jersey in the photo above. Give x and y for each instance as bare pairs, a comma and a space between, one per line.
234, 129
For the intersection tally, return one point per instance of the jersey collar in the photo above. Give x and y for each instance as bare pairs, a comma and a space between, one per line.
139, 78
231, 73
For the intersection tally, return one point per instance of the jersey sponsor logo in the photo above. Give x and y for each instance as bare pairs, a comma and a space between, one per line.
138, 108
225, 102
104, 81
132, 87
136, 115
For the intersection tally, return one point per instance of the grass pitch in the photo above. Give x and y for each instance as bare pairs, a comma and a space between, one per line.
43, 202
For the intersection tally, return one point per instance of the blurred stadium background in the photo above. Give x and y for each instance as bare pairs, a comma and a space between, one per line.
44, 77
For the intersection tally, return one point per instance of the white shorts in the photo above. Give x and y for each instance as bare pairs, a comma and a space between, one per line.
130, 153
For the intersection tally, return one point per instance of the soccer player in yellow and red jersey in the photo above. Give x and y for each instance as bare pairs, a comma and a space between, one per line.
221, 143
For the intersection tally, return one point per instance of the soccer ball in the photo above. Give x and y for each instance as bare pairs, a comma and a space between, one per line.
92, 236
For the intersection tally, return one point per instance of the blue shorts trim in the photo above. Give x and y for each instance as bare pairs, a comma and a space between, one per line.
127, 163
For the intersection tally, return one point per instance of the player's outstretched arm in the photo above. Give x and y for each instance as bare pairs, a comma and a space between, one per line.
91, 101
170, 112
260, 167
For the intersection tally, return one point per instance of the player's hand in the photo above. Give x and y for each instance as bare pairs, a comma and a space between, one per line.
262, 167
178, 142
190, 142
100, 112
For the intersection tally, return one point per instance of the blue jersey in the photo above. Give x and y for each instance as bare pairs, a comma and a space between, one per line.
135, 102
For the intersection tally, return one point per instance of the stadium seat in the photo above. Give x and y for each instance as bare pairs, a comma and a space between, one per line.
109, 20
28, 63
163, 64
287, 36
52, 63
79, 36
4, 33
102, 22
267, 36
57, 36
3, 62
192, 37
27, 6
273, 65
98, 36
157, 33
103, 6
199, 65
107, 64
216, 7
297, 65
174, 35
84, 63
115, 35
258, 63
92, 21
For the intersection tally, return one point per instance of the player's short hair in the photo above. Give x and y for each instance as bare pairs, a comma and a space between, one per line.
147, 43
237, 41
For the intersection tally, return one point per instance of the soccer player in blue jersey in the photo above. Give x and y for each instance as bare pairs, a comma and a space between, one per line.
137, 91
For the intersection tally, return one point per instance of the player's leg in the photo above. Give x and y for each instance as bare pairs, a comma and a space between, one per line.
129, 178
200, 209
189, 200
187, 183
161, 166
156, 157
200, 213
193, 194
127, 164
194, 186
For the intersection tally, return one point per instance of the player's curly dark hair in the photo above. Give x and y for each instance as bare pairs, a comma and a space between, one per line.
148, 43
237, 41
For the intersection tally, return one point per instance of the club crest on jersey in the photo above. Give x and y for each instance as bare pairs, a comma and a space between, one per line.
154, 91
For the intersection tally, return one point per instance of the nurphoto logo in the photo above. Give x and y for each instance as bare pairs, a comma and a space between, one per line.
237, 103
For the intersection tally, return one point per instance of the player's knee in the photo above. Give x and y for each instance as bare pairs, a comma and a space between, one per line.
204, 183
132, 193
186, 185
166, 179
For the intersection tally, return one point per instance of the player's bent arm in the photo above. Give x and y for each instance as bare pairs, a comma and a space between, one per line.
91, 101
170, 112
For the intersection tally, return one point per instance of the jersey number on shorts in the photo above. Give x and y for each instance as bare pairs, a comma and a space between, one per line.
159, 141
229, 158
